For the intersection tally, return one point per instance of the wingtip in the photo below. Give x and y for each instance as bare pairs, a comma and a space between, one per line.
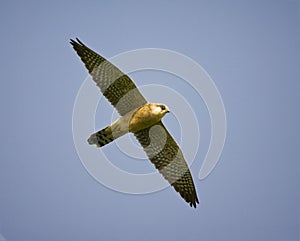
73, 42
80, 42
76, 43
194, 203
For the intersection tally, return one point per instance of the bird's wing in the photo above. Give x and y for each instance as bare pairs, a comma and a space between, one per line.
116, 86
165, 154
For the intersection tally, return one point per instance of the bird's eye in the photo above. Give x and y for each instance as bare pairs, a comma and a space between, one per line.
162, 107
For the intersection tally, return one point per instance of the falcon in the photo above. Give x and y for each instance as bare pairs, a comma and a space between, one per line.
139, 117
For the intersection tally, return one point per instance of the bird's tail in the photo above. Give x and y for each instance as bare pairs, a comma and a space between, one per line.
101, 138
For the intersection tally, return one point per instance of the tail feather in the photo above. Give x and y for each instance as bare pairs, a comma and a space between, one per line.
102, 137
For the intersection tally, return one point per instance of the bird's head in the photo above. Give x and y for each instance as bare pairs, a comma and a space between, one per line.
160, 109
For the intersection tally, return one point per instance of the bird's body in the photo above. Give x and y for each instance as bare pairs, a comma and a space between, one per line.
141, 118
134, 121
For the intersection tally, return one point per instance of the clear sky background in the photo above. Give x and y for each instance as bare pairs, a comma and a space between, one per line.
251, 49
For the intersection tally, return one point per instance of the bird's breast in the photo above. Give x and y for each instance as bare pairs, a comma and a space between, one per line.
143, 118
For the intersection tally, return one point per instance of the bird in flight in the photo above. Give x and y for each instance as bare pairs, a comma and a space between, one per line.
139, 117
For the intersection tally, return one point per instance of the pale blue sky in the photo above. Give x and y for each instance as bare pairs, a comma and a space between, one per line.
251, 50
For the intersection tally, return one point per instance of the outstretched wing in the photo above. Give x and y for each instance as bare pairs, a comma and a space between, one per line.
117, 87
167, 157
